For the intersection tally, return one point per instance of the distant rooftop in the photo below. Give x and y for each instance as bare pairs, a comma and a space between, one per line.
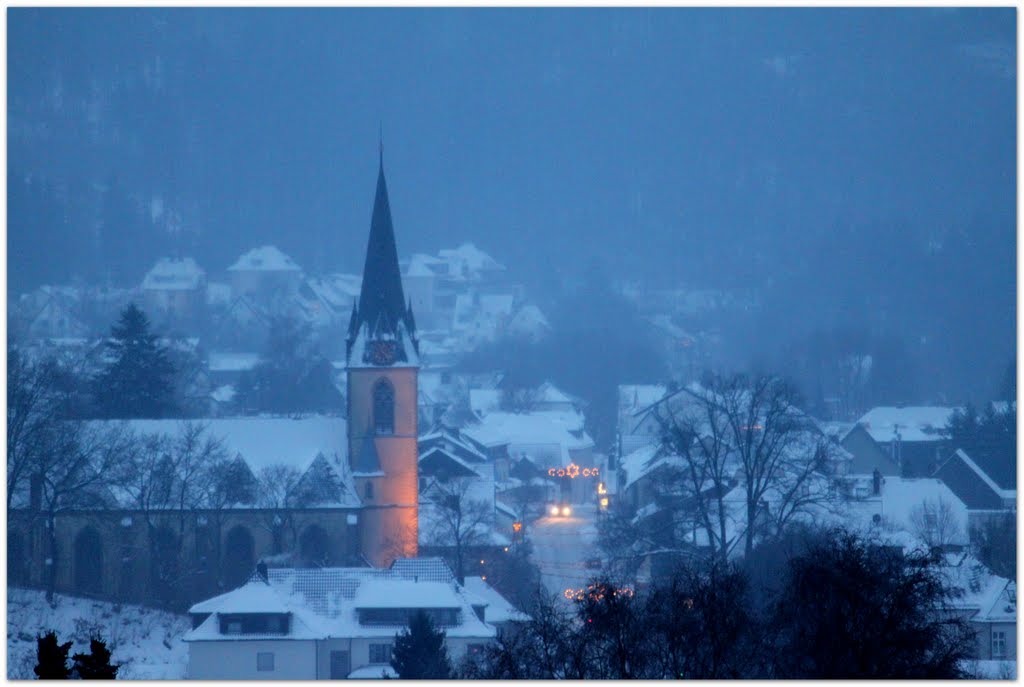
268, 258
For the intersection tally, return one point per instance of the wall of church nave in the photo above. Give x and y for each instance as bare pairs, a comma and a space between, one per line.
174, 560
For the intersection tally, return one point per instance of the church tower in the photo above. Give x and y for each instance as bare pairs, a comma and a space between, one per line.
382, 364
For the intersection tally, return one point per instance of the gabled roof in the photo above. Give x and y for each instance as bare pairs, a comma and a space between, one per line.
404, 593
265, 259
437, 460
499, 610
911, 423
173, 274
961, 483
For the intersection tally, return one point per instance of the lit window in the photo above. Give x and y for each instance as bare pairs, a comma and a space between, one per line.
265, 661
998, 644
380, 653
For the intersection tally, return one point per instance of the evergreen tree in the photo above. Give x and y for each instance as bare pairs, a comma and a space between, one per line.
51, 658
138, 382
96, 664
420, 653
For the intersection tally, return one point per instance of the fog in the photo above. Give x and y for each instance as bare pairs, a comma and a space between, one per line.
855, 169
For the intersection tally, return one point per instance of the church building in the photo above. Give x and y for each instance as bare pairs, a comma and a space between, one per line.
355, 504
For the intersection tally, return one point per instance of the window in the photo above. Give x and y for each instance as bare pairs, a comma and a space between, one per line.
998, 644
234, 628
380, 653
368, 490
384, 407
265, 661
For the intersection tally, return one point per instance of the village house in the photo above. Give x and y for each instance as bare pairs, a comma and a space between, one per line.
337, 623
174, 290
914, 436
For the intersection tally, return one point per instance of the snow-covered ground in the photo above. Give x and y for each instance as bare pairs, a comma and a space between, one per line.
144, 641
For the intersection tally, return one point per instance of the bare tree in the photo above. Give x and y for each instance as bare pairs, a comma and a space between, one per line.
696, 432
77, 469
275, 495
32, 413
457, 520
935, 522
746, 433
168, 479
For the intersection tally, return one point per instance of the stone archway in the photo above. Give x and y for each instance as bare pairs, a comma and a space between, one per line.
17, 568
88, 562
313, 547
239, 556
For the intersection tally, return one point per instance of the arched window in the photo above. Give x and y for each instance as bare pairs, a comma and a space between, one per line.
384, 407
313, 546
239, 556
88, 562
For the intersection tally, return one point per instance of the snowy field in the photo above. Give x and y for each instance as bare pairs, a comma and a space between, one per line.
145, 641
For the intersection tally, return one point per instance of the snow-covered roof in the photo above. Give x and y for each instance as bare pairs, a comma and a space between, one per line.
265, 258
993, 598
901, 502
264, 441
499, 610
427, 569
421, 265
634, 397
498, 428
468, 260
255, 596
912, 423
333, 594
232, 362
529, 321
644, 461
834, 430
401, 593
173, 274
483, 401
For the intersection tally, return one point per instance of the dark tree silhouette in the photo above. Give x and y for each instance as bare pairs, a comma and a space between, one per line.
853, 610
96, 664
51, 658
138, 382
292, 376
420, 653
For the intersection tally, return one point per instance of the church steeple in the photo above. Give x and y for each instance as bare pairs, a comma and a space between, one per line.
381, 312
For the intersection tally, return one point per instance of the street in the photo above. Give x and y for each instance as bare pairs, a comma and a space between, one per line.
563, 545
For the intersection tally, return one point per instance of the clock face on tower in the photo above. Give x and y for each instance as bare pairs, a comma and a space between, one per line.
382, 352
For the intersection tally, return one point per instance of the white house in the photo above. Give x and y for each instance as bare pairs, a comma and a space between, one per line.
335, 623
175, 287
